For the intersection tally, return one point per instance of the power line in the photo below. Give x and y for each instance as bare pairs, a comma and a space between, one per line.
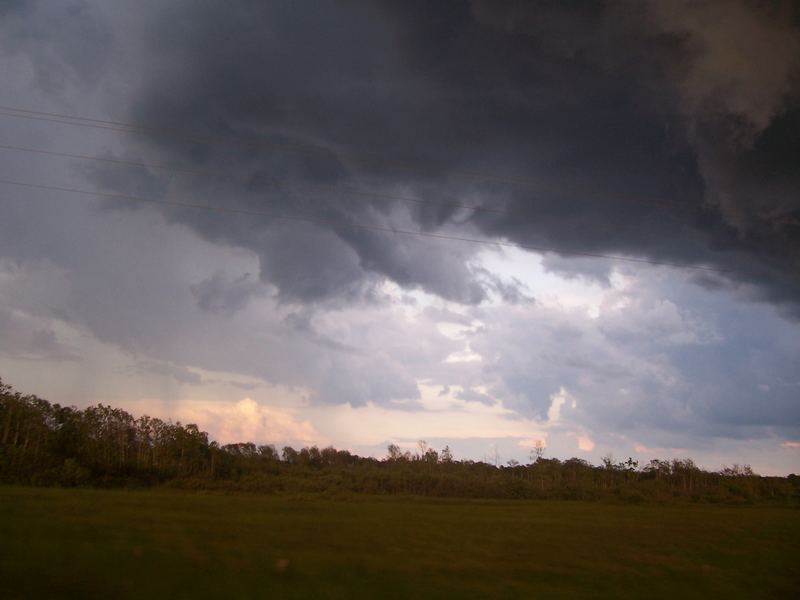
315, 219
125, 127
232, 180
225, 175
34, 115
119, 161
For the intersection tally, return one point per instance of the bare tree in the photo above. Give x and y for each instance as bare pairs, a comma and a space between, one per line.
537, 453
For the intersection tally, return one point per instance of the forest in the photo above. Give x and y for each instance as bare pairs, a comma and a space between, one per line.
45, 444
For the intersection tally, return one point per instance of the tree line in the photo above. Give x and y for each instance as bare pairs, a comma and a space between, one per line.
49, 444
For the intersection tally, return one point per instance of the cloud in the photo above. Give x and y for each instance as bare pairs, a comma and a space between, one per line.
220, 293
247, 421
642, 362
752, 80
67, 43
632, 129
28, 338
585, 443
598, 129
557, 400
179, 373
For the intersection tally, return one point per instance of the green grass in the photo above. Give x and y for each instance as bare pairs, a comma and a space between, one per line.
163, 544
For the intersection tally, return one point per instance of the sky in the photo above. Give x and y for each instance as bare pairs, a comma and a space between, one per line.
478, 223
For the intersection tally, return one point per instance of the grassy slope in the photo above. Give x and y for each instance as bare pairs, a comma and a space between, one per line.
134, 544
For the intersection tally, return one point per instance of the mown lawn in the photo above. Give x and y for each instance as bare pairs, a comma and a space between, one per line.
163, 544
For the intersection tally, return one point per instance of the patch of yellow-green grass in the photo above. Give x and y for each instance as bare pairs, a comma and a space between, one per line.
164, 544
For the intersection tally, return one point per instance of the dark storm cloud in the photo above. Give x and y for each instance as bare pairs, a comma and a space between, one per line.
66, 42
660, 130
222, 294
640, 128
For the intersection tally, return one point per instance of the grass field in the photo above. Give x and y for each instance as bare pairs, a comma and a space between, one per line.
160, 544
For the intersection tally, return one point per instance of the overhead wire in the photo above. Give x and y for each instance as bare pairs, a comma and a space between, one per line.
364, 226
133, 128
226, 175
176, 133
